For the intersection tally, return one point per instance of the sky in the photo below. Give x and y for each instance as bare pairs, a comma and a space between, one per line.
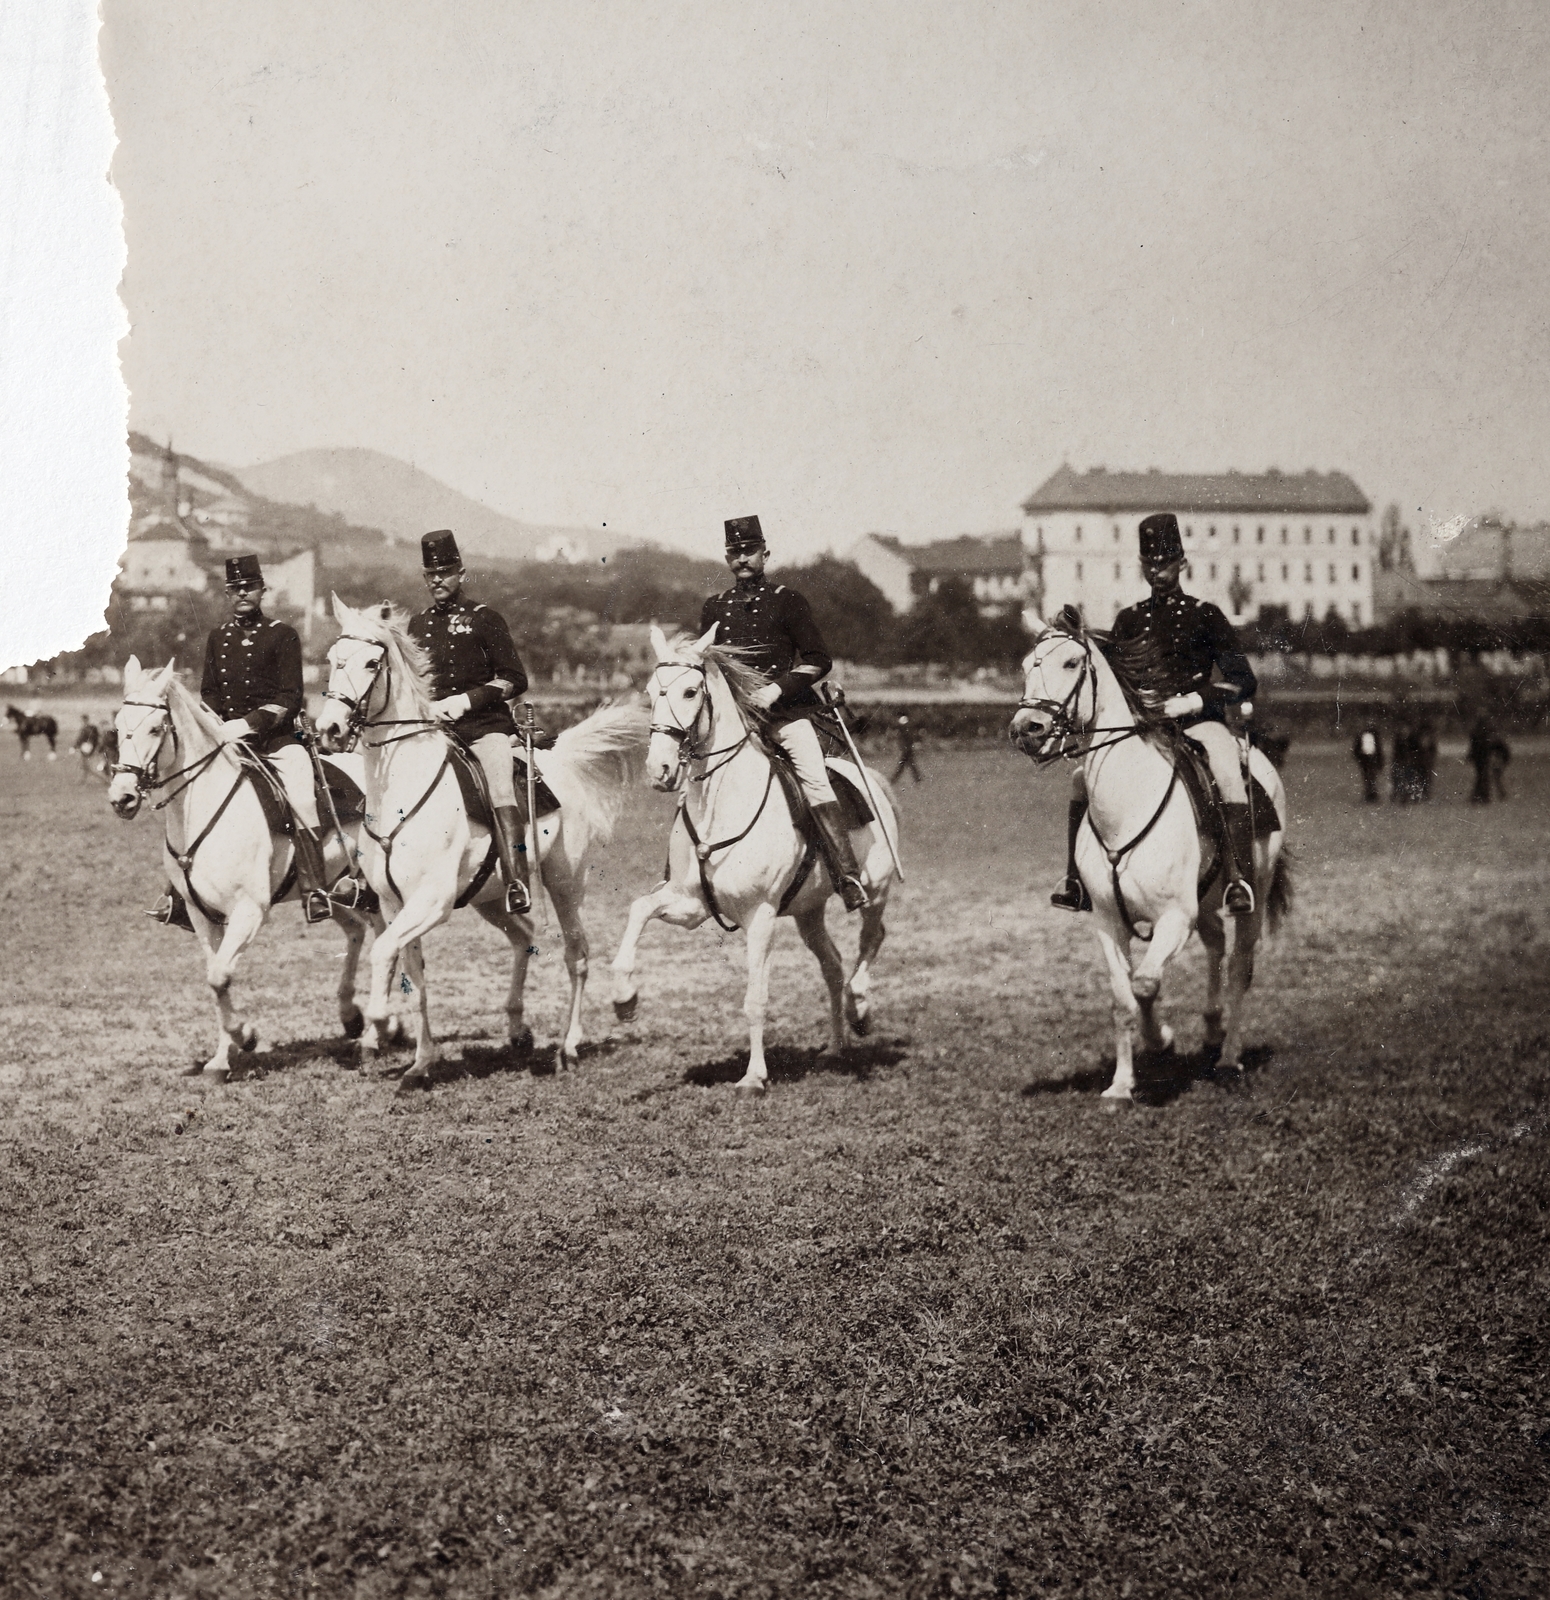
851, 267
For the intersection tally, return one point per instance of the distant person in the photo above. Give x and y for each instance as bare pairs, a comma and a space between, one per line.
1367, 749
1425, 757
904, 731
1404, 778
87, 742
1489, 754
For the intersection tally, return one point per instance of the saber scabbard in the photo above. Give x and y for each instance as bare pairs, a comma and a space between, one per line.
834, 699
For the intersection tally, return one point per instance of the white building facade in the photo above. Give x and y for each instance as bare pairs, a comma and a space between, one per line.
1303, 542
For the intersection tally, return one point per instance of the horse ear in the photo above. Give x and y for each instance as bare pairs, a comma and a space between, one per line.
385, 610
1071, 620
704, 642
132, 669
659, 644
1032, 621
341, 611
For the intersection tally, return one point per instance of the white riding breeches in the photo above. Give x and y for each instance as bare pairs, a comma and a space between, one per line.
494, 753
1225, 755
799, 741
295, 768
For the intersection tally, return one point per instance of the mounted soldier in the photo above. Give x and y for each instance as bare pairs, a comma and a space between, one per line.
475, 670
1177, 640
252, 682
773, 626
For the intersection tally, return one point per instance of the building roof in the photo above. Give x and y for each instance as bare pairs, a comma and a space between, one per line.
988, 554
163, 527
1320, 493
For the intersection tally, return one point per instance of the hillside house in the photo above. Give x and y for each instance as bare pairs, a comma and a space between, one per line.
995, 566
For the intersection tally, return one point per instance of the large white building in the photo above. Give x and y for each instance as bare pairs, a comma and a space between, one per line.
1306, 542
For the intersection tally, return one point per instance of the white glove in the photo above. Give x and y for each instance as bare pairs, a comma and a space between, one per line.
1245, 709
1183, 705
767, 696
450, 709
237, 728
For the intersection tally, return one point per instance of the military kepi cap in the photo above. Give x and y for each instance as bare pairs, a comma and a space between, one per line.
743, 530
439, 550
1160, 539
243, 569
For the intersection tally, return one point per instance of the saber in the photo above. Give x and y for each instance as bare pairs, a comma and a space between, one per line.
834, 699
535, 877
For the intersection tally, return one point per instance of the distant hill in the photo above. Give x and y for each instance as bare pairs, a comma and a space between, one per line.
373, 490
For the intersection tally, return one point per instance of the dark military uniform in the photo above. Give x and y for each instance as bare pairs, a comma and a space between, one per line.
469, 646
1191, 637
775, 626
250, 664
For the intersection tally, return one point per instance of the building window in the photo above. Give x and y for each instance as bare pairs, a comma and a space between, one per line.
1356, 573
1079, 533
1259, 534
1283, 533
1211, 531
1116, 569
1307, 572
1189, 530
1262, 572
1237, 571
1285, 573
1332, 572
1356, 614
1331, 535
1116, 533
1079, 564
1356, 535
1235, 533
1213, 564
1307, 534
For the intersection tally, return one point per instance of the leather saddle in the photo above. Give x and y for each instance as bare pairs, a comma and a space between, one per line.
852, 801
349, 803
1194, 769
476, 798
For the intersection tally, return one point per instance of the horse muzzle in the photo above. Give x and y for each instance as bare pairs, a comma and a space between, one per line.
126, 803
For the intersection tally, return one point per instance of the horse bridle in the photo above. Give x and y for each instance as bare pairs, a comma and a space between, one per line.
356, 706
1075, 739
687, 737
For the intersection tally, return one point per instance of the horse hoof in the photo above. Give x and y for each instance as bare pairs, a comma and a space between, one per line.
521, 1044
215, 1074
354, 1025
393, 1030
249, 1037
625, 1010
1115, 1095
748, 1084
1145, 988
570, 1057
416, 1078
194, 1069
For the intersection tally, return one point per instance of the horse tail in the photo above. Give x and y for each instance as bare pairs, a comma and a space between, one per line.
593, 766
1281, 893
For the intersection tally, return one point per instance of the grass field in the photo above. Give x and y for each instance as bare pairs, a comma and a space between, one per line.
938, 1322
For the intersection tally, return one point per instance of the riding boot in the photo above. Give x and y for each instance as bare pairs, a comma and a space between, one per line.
838, 857
311, 878
1239, 843
171, 910
511, 841
1072, 894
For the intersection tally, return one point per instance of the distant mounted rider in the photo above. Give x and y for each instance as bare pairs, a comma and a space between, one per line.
773, 625
475, 671
252, 682
1180, 640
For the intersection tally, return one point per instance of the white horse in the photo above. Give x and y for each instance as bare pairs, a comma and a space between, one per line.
219, 850
734, 850
1139, 850
422, 853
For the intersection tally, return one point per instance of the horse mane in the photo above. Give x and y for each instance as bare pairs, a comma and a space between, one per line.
743, 680
387, 624
190, 705
1137, 664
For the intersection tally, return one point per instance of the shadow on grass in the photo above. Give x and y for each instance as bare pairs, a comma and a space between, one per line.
1162, 1076
335, 1051
791, 1063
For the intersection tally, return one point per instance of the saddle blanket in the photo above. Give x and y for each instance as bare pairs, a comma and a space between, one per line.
349, 803
847, 790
